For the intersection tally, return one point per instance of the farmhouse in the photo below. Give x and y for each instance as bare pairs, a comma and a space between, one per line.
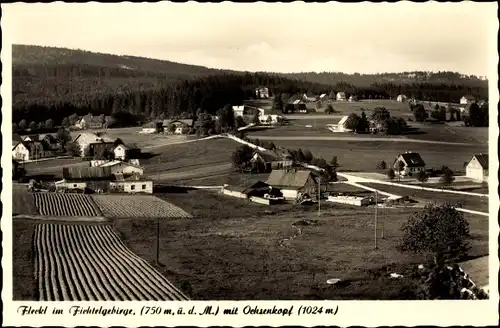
467, 99
292, 182
258, 189
413, 163
177, 126
340, 126
152, 127
131, 184
30, 150
262, 92
20, 151
341, 96
90, 122
238, 110
83, 140
126, 151
477, 168
401, 98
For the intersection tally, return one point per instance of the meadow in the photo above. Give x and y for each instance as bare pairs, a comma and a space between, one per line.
234, 252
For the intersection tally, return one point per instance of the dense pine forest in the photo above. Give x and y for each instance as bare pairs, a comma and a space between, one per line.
53, 83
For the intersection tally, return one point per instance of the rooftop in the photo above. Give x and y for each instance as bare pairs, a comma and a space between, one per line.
293, 178
483, 160
412, 159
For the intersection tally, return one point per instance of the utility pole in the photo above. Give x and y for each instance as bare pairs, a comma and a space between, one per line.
376, 206
319, 196
157, 241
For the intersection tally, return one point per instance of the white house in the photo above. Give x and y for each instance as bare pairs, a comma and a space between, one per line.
466, 99
401, 98
83, 140
131, 186
119, 167
90, 122
341, 96
238, 110
340, 126
262, 92
124, 151
19, 151
269, 119
477, 168
413, 164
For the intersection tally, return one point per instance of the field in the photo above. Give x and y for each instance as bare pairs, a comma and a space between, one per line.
58, 204
198, 158
23, 201
365, 155
49, 168
468, 202
137, 206
233, 255
90, 263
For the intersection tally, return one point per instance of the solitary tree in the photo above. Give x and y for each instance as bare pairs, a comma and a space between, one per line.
329, 109
422, 176
308, 156
63, 136
447, 178
22, 124
419, 113
72, 149
241, 157
32, 126
240, 122
438, 231
400, 166
334, 162
390, 174
255, 119
382, 165
352, 122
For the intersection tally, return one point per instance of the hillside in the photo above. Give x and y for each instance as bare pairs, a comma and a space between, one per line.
54, 83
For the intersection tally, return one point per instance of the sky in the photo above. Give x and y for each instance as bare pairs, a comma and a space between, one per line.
296, 37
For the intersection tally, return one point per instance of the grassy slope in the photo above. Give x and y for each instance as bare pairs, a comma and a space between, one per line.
24, 286
23, 202
233, 251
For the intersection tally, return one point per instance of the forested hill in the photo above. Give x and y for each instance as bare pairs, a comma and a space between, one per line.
360, 80
56, 82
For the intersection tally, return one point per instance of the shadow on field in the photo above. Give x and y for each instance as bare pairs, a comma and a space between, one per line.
147, 155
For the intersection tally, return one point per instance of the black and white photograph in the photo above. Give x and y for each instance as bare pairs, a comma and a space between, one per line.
249, 152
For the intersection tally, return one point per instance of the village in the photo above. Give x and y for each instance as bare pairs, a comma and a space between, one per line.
167, 170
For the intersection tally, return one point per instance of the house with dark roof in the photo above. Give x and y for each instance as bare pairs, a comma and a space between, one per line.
257, 189
90, 122
178, 126
272, 160
413, 163
477, 168
293, 182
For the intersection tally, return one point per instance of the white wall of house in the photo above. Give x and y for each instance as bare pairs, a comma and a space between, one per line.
124, 168
289, 193
475, 171
61, 185
412, 170
98, 162
120, 152
463, 101
148, 130
21, 153
138, 186
234, 193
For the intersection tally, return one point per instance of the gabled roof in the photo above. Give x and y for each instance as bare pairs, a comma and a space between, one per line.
245, 189
290, 179
117, 162
482, 159
88, 137
267, 156
469, 97
78, 172
412, 159
90, 119
129, 146
188, 122
105, 137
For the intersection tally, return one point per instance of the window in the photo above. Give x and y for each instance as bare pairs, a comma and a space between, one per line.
143, 187
74, 185
132, 187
